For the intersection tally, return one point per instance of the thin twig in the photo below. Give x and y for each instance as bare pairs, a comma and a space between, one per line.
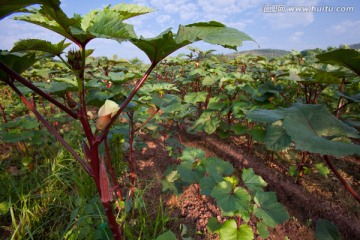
126, 102
14, 75
51, 129
342, 180
147, 120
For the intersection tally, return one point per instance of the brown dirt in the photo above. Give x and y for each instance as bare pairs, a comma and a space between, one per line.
312, 199
190, 211
308, 201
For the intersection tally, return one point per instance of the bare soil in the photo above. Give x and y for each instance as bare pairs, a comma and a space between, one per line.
313, 198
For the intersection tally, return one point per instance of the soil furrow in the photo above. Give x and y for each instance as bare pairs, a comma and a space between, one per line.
300, 203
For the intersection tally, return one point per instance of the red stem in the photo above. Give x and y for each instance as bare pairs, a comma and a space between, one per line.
208, 97
147, 120
2, 109
102, 188
342, 180
131, 159
111, 171
126, 102
15, 75
302, 164
198, 191
51, 129
105, 196
33, 100
238, 221
114, 226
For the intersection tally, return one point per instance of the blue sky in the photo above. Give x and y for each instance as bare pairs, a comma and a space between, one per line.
272, 23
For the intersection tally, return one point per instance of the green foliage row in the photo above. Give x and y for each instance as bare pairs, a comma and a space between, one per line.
289, 96
217, 178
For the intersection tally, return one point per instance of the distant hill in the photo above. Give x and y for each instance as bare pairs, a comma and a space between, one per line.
274, 53
355, 46
269, 53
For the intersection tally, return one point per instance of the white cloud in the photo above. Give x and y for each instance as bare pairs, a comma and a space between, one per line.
184, 8
289, 19
347, 26
189, 11
240, 24
227, 6
12, 31
164, 18
106, 47
296, 37
263, 41
344, 32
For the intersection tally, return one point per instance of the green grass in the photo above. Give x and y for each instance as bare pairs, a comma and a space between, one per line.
58, 200
145, 221
42, 200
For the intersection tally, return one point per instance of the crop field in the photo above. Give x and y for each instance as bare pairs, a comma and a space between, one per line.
194, 146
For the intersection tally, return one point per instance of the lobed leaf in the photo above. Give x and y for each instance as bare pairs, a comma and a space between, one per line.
322, 169
40, 45
348, 58
258, 133
232, 200
168, 235
262, 230
131, 10
276, 138
170, 182
107, 23
212, 32
159, 47
195, 97
313, 127
190, 172
14, 136
230, 231
254, 182
269, 209
265, 116
8, 7
217, 168
207, 184
208, 121
213, 225
167, 103
18, 62
192, 154
54, 19
326, 230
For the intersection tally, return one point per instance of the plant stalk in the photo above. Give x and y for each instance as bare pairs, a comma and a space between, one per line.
27, 83
50, 128
126, 102
131, 159
2, 109
342, 180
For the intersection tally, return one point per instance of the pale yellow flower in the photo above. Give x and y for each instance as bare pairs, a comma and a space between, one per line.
105, 113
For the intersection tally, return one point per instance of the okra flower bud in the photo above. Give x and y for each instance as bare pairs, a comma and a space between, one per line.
105, 113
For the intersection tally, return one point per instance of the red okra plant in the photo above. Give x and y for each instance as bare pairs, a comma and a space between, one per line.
107, 23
